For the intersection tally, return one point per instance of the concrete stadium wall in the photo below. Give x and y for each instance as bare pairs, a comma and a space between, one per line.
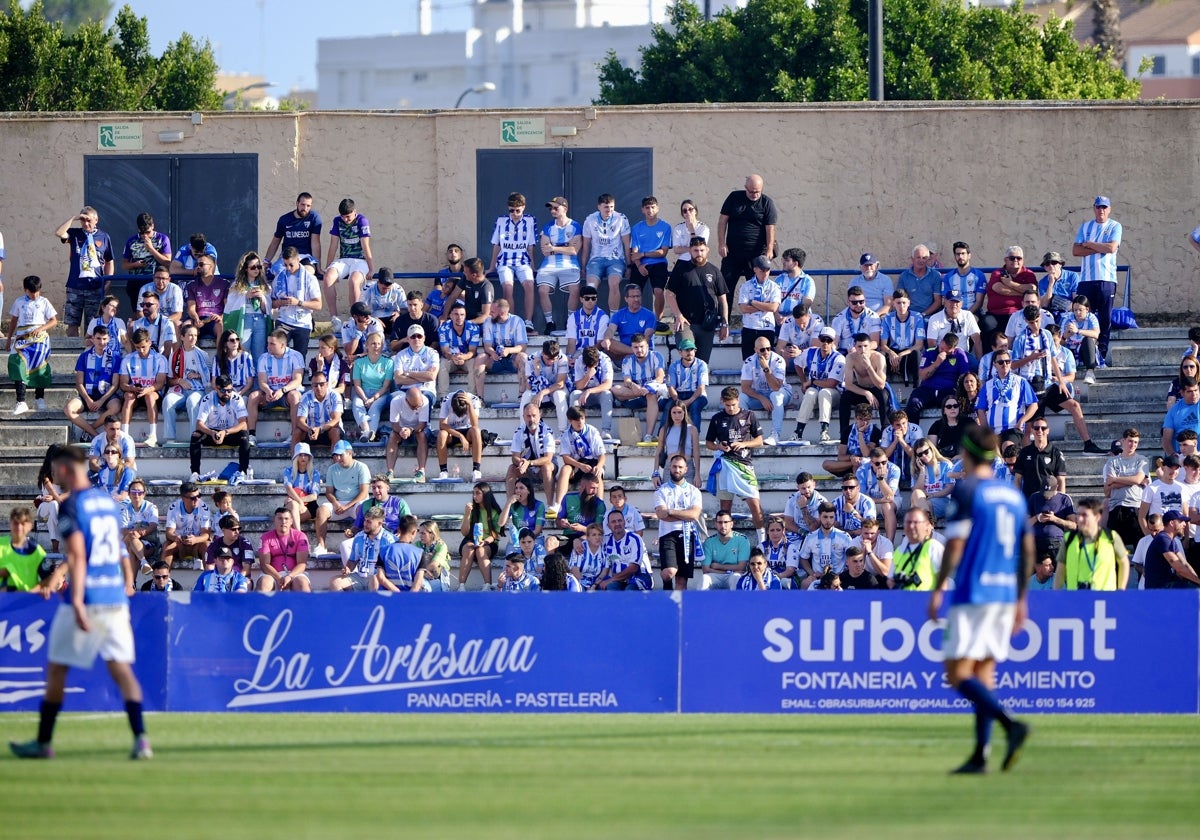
847, 178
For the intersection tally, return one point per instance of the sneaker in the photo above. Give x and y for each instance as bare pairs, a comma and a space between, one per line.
550, 326
648, 439
151, 440
390, 475
253, 440
443, 476
31, 749
606, 435
41, 404
476, 476
770, 440
141, 749
19, 409
799, 432
195, 478
319, 550
1090, 377
970, 766
825, 438
335, 324
552, 512
1090, 446
529, 327
146, 568
419, 476
1017, 735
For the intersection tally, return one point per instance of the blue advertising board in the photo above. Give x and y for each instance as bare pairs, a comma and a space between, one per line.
854, 652
468, 652
24, 632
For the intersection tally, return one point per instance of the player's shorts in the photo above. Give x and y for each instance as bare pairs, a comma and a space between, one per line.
111, 636
346, 267
563, 278
736, 481
656, 273
506, 273
978, 631
606, 267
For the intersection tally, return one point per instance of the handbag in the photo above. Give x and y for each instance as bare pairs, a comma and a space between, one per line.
1122, 318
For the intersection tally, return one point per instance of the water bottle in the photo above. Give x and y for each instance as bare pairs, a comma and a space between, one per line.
477, 533
504, 396
456, 471
250, 474
278, 435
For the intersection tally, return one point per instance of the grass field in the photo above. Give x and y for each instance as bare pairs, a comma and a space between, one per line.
604, 776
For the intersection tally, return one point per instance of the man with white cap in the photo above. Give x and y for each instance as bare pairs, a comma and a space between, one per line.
1097, 243
821, 369
346, 486
416, 366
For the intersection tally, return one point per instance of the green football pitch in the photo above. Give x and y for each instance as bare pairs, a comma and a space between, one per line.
607, 776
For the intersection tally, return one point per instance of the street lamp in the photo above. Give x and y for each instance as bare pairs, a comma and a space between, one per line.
486, 87
231, 98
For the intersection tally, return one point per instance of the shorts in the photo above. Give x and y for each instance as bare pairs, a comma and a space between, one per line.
602, 267
656, 273
736, 481
334, 516
591, 462
359, 583
346, 267
562, 278
505, 365
1053, 400
978, 631
111, 636
506, 273
636, 402
81, 304
671, 555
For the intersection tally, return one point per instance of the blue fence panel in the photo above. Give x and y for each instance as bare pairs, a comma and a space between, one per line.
25, 632
826, 652
466, 652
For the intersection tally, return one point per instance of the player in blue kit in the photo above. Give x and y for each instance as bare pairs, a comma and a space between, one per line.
96, 619
989, 550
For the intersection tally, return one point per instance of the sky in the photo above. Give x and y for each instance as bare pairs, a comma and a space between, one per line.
278, 38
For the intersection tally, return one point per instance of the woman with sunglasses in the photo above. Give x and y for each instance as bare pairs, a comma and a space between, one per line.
1189, 368
947, 431
114, 476
235, 361
932, 481
681, 236
139, 521
248, 305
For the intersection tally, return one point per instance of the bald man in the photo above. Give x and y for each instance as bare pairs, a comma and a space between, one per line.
745, 230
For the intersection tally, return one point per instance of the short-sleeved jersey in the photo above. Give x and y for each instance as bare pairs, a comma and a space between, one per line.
209, 298
240, 368
970, 286
217, 415
32, 313
585, 444
280, 370
137, 252
365, 551
132, 517
1066, 287
409, 360
747, 583
603, 372
559, 236
453, 341
605, 235
1099, 267
394, 509
992, 517
964, 325
306, 484
753, 372
630, 323
1029, 343
211, 581
586, 329
590, 562
515, 239
143, 371
193, 366
161, 330
455, 421
525, 583
96, 517
675, 497
641, 371
825, 551
508, 333
872, 485
385, 301
1075, 340
400, 563
99, 371
753, 291
791, 332
302, 286
89, 254
184, 524
478, 298
813, 365
543, 374
534, 443
298, 232
847, 325
920, 289
734, 428
795, 290
316, 412
644, 237
900, 335
170, 301
1004, 401
187, 259
628, 551
850, 516
688, 378
350, 236
778, 557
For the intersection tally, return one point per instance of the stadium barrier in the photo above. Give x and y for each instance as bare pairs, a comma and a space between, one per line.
646, 652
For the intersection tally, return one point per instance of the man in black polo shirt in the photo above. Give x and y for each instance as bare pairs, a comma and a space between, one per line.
745, 230
1040, 460
697, 294
478, 293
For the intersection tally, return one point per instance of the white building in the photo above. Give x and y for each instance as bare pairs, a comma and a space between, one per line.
538, 53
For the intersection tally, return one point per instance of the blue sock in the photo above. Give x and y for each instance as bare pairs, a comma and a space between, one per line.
133, 710
984, 701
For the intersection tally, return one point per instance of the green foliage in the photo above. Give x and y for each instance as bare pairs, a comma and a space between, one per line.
43, 68
785, 51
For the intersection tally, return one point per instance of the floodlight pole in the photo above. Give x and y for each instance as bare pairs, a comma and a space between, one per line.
875, 49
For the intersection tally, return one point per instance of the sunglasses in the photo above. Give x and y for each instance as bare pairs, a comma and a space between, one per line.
849, 486
688, 210
1002, 361
137, 492
825, 339
878, 463
112, 452
1014, 259
764, 349
233, 339
951, 405
256, 267
589, 297
148, 305
922, 452
858, 303
162, 577
1040, 428
195, 498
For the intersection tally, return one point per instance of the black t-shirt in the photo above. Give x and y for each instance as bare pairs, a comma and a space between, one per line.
1035, 466
748, 220
734, 428
696, 288
864, 581
428, 323
949, 438
477, 296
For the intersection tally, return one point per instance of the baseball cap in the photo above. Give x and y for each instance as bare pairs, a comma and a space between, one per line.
953, 294
1170, 461
1053, 257
361, 310
301, 448
342, 447
1174, 516
761, 262
385, 276
1049, 483
827, 332
867, 259
224, 551
559, 200
416, 329
687, 344
1102, 201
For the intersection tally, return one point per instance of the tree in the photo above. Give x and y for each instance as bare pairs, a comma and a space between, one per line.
42, 68
786, 51
74, 13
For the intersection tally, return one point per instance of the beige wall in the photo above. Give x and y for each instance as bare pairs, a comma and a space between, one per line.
847, 178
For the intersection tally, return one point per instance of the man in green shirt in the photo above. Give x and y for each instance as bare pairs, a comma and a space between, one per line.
725, 555
21, 558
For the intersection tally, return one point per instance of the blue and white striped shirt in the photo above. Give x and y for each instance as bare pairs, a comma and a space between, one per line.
514, 239
279, 370
144, 371
560, 236
688, 379
241, 369
455, 342
508, 333
316, 412
1004, 401
1099, 267
900, 335
604, 372
586, 329
642, 371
